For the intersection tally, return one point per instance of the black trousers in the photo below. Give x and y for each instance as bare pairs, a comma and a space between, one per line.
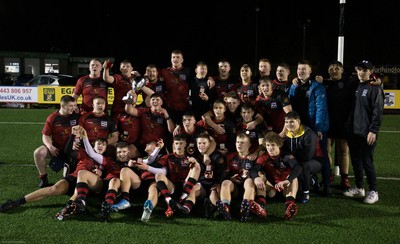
362, 159
308, 168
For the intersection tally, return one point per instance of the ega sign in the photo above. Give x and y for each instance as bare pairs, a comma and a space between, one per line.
53, 94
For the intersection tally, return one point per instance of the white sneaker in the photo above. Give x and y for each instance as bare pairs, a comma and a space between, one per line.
354, 192
372, 197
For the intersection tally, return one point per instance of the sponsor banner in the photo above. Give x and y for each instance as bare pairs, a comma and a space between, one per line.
20, 94
53, 94
390, 75
392, 99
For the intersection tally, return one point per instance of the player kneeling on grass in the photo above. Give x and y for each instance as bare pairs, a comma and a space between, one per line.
182, 175
276, 171
237, 179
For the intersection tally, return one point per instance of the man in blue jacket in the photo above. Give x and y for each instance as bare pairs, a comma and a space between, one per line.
308, 98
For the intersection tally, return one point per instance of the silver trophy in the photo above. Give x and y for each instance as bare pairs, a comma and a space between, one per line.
138, 82
128, 99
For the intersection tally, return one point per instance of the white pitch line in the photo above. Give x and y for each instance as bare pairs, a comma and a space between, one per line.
23, 123
387, 178
17, 165
379, 177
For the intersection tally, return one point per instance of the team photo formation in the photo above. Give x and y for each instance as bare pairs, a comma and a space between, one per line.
214, 144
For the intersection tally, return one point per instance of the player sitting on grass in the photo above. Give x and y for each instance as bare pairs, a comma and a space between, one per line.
276, 171
146, 168
183, 173
103, 176
64, 186
237, 181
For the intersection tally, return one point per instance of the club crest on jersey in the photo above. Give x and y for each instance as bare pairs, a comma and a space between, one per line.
235, 164
72, 122
250, 92
182, 77
364, 93
252, 134
103, 123
274, 105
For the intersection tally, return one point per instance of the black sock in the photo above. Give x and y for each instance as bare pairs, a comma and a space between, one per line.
163, 189
188, 205
82, 189
111, 195
260, 199
43, 176
290, 199
189, 185
125, 195
21, 201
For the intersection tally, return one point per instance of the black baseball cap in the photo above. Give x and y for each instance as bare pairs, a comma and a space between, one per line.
365, 64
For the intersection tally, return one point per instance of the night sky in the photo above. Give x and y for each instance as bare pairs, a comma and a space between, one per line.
146, 32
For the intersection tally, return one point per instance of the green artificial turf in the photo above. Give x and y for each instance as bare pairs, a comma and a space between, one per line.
323, 220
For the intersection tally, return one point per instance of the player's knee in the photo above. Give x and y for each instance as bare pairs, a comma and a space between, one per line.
40, 152
136, 184
160, 177
226, 183
271, 193
82, 173
115, 183
197, 187
55, 190
249, 182
197, 167
152, 188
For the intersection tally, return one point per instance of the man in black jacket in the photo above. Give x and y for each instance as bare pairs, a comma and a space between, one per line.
301, 142
364, 127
